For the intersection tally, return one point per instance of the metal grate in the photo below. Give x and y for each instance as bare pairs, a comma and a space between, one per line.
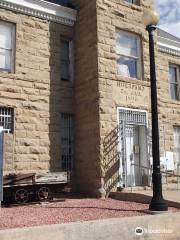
133, 117
67, 141
6, 119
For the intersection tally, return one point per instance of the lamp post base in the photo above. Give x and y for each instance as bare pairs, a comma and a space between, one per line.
158, 205
156, 212
157, 202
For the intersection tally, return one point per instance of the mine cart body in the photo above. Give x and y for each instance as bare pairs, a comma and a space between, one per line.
23, 188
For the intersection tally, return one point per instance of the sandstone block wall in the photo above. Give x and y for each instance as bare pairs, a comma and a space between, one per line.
96, 88
8, 152
115, 90
87, 170
169, 110
36, 93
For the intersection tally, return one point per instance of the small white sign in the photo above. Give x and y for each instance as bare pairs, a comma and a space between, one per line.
168, 161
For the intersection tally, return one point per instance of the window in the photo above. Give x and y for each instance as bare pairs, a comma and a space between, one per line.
174, 81
6, 119
7, 46
177, 145
66, 141
66, 60
128, 55
133, 1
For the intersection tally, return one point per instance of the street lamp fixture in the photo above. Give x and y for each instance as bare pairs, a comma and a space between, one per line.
150, 20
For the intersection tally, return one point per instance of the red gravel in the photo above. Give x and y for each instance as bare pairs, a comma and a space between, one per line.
70, 210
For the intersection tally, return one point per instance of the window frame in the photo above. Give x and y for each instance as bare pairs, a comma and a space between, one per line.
70, 60
135, 2
177, 83
13, 47
137, 58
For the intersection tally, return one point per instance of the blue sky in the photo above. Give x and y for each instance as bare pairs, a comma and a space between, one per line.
169, 11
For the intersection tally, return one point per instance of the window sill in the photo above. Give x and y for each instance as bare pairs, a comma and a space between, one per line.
7, 74
67, 83
133, 80
65, 80
175, 101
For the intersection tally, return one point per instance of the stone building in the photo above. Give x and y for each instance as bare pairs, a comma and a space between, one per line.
75, 91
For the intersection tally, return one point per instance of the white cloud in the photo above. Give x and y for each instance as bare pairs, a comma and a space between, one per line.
173, 28
170, 15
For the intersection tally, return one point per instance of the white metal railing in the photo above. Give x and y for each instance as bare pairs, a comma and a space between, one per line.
165, 174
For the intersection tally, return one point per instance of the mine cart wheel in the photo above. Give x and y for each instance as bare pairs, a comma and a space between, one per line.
21, 196
44, 193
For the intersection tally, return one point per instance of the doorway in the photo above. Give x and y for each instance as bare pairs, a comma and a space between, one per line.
134, 160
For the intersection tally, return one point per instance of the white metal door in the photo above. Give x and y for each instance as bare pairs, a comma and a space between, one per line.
129, 138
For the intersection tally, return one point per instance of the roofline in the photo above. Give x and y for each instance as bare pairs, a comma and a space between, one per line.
42, 9
170, 34
168, 45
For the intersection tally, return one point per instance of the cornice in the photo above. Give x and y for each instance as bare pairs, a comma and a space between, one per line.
168, 50
42, 9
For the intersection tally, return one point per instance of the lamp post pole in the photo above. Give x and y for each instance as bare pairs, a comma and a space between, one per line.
157, 202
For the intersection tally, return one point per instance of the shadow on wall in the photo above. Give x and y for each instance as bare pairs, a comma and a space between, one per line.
111, 160
61, 93
55, 97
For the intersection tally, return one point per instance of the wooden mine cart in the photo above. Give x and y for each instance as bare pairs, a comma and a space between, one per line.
23, 188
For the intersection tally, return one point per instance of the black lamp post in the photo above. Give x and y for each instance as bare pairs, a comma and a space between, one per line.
151, 19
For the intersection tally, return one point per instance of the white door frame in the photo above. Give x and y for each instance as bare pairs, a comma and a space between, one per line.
119, 142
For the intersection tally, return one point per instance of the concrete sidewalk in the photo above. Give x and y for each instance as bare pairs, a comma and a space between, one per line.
161, 227
144, 196
170, 195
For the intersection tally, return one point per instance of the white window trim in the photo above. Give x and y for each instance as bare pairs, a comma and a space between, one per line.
138, 58
178, 80
71, 59
13, 46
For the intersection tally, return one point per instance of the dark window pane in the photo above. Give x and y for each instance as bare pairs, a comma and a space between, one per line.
133, 1
173, 74
65, 70
174, 91
64, 50
65, 62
